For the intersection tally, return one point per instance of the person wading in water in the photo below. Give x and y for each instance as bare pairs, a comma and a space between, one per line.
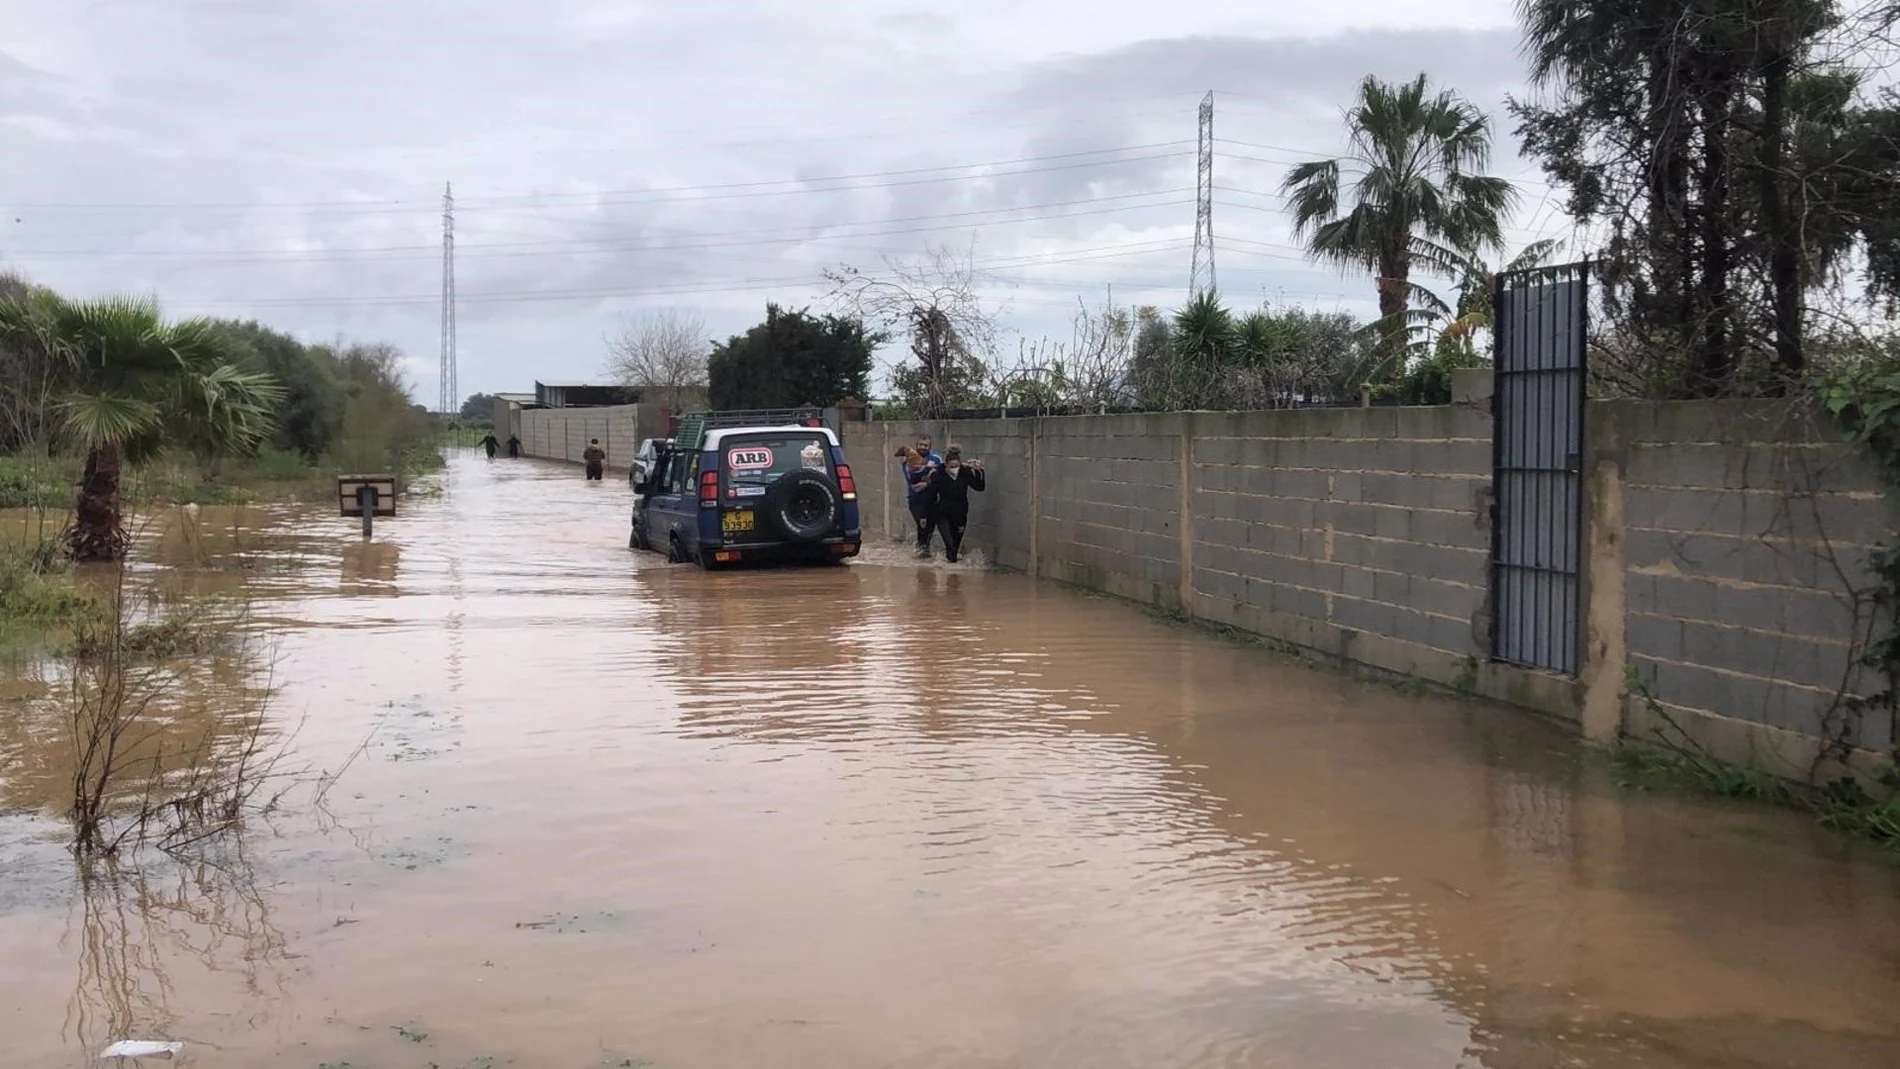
596, 458
490, 444
514, 446
949, 498
916, 469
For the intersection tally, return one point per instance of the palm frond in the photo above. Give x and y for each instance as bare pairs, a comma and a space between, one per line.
106, 419
1536, 254
1466, 325
1313, 192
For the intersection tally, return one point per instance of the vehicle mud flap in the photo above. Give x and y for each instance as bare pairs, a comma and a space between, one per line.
803, 506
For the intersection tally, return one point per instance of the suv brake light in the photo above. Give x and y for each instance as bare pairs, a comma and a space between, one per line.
709, 487
847, 486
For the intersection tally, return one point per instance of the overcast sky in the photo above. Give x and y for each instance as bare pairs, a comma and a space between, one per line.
285, 159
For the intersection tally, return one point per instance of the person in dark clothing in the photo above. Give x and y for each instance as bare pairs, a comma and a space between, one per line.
490, 445
949, 498
596, 458
916, 469
514, 446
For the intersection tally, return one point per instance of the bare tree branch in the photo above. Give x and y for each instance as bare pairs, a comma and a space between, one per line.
662, 353
934, 301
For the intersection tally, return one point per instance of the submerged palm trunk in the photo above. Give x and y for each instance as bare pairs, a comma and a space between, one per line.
98, 530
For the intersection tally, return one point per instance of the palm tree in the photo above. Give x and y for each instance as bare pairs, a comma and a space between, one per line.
132, 385
1460, 321
1415, 193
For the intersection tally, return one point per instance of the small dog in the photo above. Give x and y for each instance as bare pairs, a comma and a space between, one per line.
912, 458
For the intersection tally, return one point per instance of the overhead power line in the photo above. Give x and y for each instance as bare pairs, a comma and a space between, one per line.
799, 233
496, 297
711, 191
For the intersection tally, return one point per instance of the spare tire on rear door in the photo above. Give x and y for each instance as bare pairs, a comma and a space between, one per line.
803, 505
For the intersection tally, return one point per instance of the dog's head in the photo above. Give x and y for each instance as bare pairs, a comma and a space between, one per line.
908, 454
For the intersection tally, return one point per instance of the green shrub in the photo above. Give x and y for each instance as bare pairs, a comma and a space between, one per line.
37, 589
280, 465
36, 483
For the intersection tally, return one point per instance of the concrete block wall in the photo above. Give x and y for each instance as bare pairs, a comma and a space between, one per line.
562, 433
1359, 532
1748, 531
1364, 533
1726, 559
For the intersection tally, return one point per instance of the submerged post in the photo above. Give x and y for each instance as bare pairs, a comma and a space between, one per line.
366, 496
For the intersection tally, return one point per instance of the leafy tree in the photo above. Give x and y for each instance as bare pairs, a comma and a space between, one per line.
383, 430
479, 408
29, 379
1208, 358
1726, 149
1151, 369
792, 359
1415, 197
312, 411
134, 384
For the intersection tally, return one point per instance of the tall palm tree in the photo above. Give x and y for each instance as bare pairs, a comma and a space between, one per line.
132, 385
1413, 169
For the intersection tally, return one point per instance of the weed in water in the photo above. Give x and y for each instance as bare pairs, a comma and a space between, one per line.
1844, 804
1466, 681
413, 1035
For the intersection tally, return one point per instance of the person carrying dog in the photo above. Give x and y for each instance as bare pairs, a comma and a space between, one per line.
948, 504
596, 458
916, 469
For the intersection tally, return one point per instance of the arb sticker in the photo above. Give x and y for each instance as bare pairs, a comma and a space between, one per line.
748, 458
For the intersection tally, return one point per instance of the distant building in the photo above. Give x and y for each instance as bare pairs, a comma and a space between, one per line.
583, 395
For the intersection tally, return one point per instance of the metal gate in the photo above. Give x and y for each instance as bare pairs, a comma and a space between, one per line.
1537, 406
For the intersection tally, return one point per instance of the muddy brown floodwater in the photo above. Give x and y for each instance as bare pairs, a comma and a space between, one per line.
613, 813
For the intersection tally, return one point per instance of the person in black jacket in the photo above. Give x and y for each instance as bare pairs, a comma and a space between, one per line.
949, 498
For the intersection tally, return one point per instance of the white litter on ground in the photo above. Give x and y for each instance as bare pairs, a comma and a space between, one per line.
141, 1048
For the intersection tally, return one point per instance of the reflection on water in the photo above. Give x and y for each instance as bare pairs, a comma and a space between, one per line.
902, 814
135, 934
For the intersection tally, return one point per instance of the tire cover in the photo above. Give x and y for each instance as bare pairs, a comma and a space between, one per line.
803, 485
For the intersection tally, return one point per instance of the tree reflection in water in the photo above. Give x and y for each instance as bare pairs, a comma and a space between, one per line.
140, 933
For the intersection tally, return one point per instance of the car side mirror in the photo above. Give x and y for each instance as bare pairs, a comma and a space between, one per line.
643, 488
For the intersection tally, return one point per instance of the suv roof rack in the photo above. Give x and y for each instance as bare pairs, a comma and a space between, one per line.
693, 426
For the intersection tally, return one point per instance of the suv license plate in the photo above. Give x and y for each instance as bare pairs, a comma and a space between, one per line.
736, 521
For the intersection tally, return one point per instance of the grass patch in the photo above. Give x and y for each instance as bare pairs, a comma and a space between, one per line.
49, 483
38, 595
37, 482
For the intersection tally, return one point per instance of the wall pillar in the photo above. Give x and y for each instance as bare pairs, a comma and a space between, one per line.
1034, 566
1184, 521
1606, 644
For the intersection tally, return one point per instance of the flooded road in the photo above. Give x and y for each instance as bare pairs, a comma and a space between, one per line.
616, 813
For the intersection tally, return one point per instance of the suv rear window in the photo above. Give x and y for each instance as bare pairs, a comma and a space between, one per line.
754, 463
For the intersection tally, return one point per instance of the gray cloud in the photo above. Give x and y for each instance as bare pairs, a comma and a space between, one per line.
283, 160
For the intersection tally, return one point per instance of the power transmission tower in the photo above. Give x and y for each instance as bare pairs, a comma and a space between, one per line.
1201, 279
450, 402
